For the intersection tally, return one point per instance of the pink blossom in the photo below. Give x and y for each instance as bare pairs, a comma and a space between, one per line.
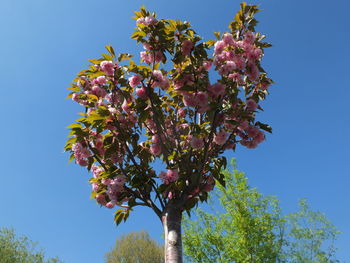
101, 80
220, 138
169, 177
119, 180
96, 171
125, 106
187, 46
249, 37
207, 65
252, 131
236, 77
201, 98
95, 187
253, 72
150, 20
228, 39
146, 46
101, 199
141, 92
82, 162
218, 89
240, 63
264, 85
251, 105
146, 57
110, 205
219, 47
190, 100
99, 92
158, 57
260, 137
156, 149
141, 20
227, 68
197, 143
181, 113
107, 67
172, 175
135, 80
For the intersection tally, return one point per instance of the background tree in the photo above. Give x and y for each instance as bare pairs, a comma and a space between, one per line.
14, 249
136, 247
166, 108
249, 227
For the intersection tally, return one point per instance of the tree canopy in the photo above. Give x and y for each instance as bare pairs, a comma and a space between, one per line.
136, 247
15, 249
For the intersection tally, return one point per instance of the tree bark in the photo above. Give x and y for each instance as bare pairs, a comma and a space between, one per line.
172, 230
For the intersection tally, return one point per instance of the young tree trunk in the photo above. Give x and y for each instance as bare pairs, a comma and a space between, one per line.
172, 230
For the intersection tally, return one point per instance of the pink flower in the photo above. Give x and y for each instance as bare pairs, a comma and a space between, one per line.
107, 67
181, 113
169, 176
146, 57
252, 131
249, 37
197, 143
150, 20
218, 89
95, 187
146, 46
156, 149
227, 68
220, 138
253, 72
190, 100
201, 98
252, 105
99, 92
135, 80
141, 92
172, 175
82, 162
228, 39
125, 106
219, 47
141, 20
237, 78
101, 199
101, 80
207, 65
187, 47
110, 205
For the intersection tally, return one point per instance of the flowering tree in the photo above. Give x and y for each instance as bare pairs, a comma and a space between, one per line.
166, 108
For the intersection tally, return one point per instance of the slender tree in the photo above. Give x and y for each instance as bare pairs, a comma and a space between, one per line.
249, 227
166, 108
15, 249
136, 247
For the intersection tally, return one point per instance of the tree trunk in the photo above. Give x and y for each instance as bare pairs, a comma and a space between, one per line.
172, 230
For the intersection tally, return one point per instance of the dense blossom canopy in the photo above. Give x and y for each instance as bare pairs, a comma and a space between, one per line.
185, 103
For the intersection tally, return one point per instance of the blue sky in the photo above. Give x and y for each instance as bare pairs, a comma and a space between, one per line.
44, 43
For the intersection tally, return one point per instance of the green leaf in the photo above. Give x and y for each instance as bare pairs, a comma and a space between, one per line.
110, 50
74, 125
124, 56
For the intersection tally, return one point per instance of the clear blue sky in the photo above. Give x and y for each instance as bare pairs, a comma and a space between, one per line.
44, 43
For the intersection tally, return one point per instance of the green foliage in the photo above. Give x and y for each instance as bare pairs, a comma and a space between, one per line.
308, 232
251, 228
136, 247
14, 249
